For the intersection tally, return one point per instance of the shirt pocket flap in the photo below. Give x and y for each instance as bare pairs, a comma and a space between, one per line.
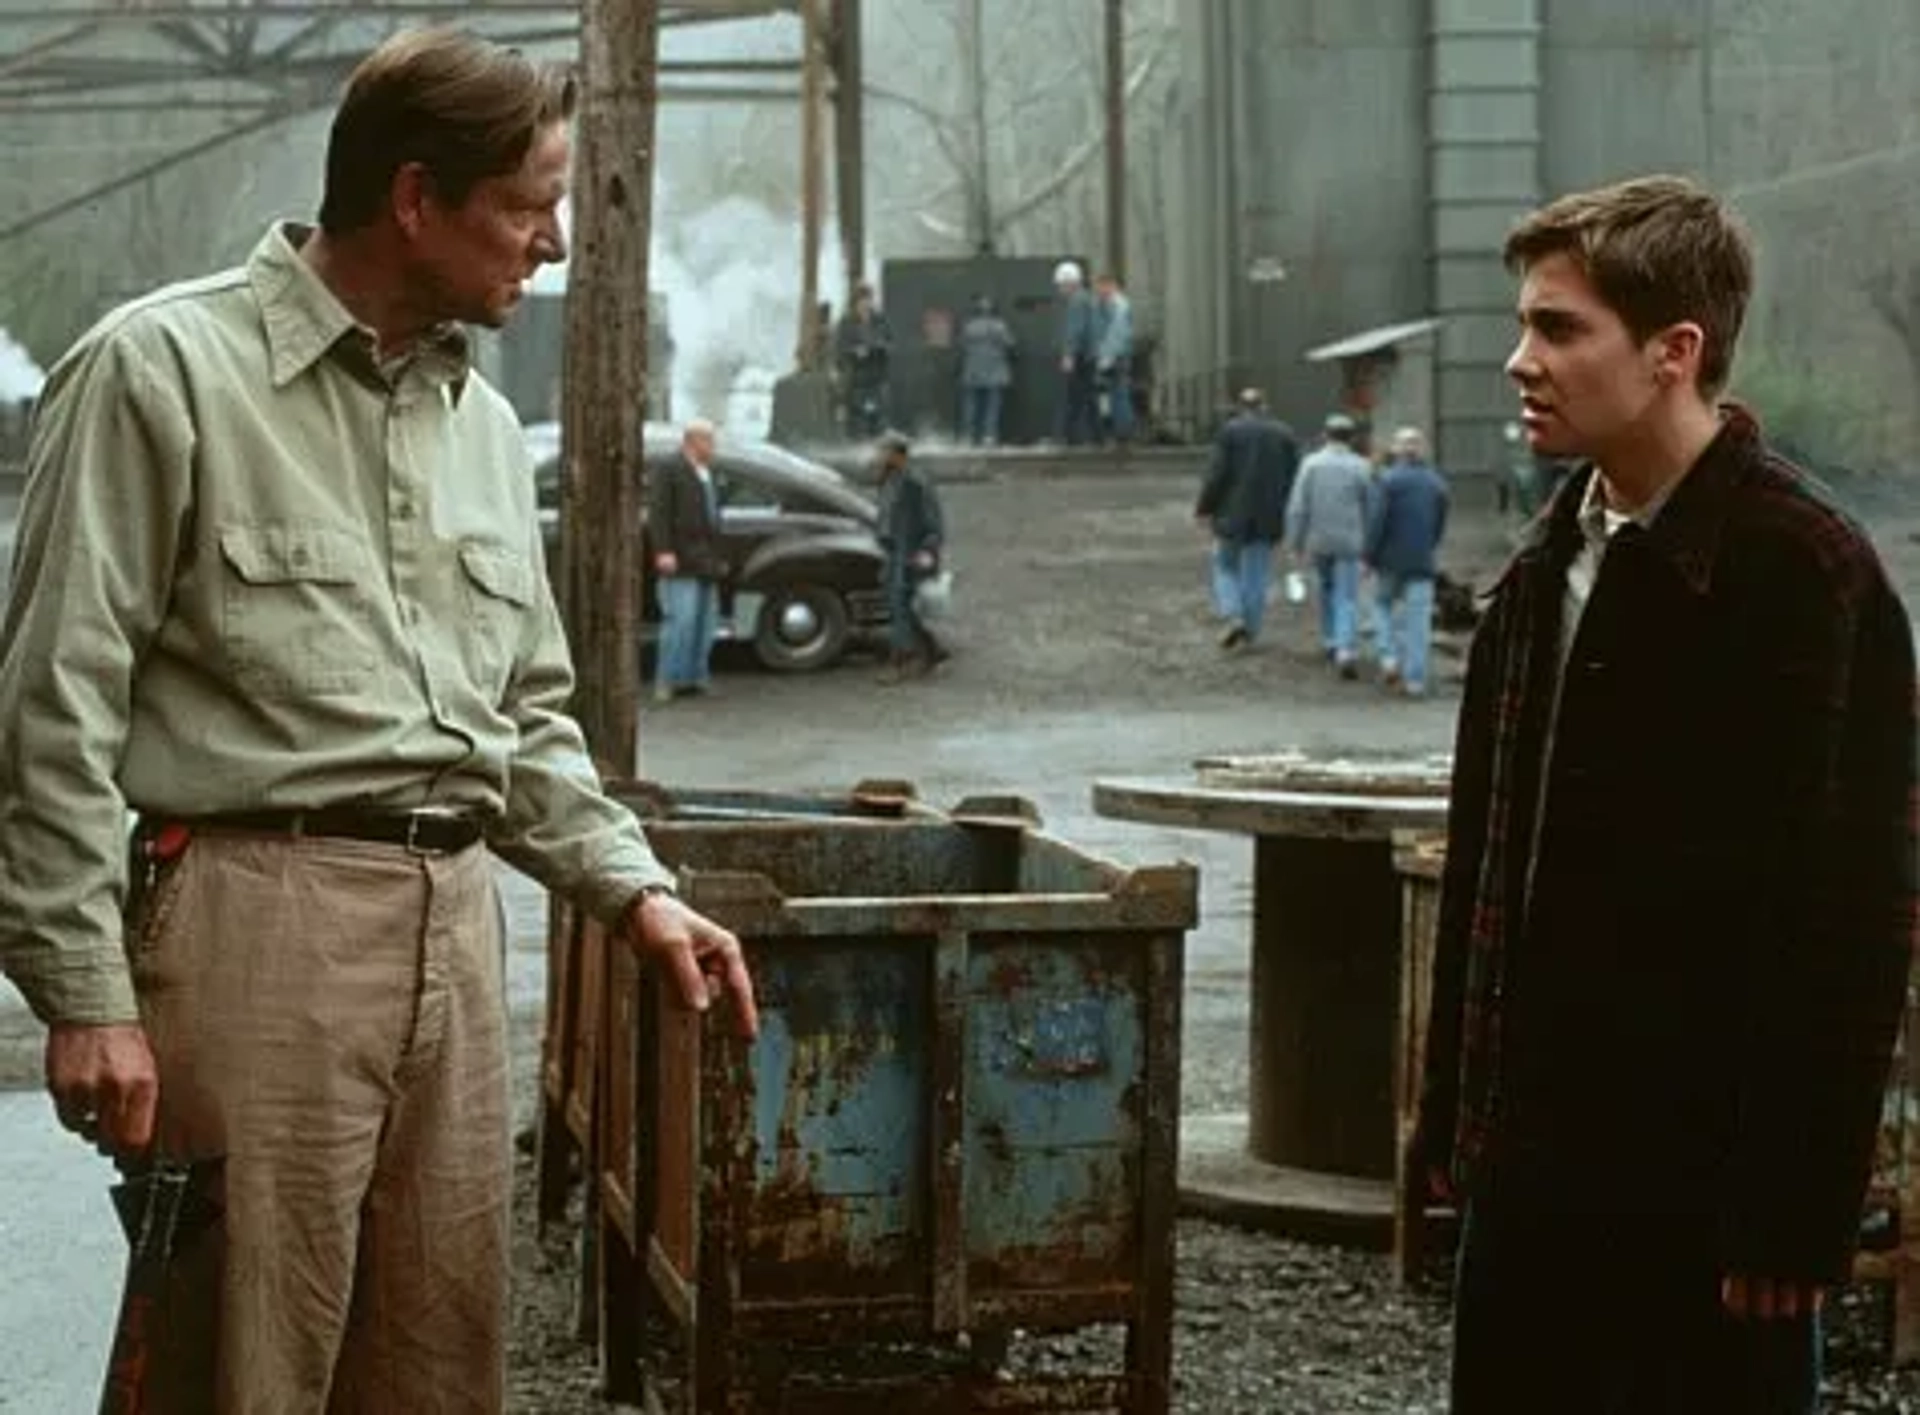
500, 573
284, 554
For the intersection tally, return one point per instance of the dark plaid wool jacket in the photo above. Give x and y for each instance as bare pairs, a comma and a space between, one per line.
1685, 1008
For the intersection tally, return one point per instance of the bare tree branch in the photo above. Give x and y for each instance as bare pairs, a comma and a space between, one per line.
1077, 160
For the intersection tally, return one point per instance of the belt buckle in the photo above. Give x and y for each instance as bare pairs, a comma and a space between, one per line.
412, 842
415, 819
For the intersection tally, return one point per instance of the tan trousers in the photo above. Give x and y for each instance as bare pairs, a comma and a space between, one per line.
329, 1016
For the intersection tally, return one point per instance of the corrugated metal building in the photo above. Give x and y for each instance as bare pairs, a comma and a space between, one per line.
1354, 163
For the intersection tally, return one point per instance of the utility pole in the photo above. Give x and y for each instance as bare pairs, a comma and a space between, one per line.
605, 370
1117, 138
982, 189
849, 140
813, 171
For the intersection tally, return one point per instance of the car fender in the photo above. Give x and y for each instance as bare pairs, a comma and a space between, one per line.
846, 560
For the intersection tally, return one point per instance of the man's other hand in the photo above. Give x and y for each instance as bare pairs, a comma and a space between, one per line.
104, 1085
1768, 1299
704, 959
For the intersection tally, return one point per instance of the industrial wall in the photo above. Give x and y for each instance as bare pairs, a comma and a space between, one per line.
1372, 152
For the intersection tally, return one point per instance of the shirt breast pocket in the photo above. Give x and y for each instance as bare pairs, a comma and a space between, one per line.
499, 592
296, 616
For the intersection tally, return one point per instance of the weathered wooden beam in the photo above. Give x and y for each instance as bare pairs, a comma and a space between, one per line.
605, 370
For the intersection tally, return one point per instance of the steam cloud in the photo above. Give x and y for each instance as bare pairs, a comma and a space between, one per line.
20, 377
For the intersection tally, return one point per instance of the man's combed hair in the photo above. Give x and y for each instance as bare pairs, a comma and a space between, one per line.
462, 107
1659, 251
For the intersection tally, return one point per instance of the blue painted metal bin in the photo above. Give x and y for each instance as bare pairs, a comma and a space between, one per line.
573, 1040
960, 1117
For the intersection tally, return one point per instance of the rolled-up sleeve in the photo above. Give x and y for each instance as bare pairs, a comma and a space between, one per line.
560, 825
108, 485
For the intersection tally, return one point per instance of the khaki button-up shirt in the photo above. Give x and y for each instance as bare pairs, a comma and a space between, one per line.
255, 569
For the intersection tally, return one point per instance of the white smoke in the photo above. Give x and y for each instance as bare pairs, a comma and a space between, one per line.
731, 277
730, 271
20, 377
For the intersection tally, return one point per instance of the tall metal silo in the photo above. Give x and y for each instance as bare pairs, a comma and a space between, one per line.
1307, 196
1483, 114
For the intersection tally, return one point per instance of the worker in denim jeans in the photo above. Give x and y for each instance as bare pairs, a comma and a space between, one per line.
913, 531
1327, 527
1409, 516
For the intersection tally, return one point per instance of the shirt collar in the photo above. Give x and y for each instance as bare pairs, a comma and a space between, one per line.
1683, 526
305, 320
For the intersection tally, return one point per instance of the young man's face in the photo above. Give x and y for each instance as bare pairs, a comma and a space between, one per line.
1586, 384
476, 258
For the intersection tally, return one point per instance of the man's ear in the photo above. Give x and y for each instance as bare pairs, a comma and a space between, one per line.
1678, 350
411, 191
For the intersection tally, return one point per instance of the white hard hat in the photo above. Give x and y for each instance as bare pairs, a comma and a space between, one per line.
1067, 272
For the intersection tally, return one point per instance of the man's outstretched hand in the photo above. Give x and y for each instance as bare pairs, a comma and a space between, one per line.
104, 1085
704, 959
1766, 1299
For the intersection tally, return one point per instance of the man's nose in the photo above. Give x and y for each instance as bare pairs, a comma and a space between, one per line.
552, 247
1522, 367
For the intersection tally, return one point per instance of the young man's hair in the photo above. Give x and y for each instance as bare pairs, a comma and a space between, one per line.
1659, 251
462, 107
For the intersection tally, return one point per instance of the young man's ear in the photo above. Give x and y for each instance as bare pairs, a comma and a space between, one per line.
1677, 353
411, 191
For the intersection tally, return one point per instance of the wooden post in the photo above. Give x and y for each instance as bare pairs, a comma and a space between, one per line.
1117, 139
849, 142
981, 220
605, 370
813, 164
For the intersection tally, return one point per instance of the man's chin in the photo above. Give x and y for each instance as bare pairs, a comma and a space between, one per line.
1543, 442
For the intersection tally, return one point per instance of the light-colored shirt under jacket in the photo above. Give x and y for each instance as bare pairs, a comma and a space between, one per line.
1327, 513
256, 570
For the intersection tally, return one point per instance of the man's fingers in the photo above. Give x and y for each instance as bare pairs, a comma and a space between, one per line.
1767, 1299
1734, 1296
739, 983
726, 965
687, 976
127, 1116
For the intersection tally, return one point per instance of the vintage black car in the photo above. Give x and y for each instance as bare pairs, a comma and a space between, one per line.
804, 565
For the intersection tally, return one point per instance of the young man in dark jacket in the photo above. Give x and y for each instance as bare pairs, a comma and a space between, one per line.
1679, 894
1406, 521
683, 534
913, 530
1243, 502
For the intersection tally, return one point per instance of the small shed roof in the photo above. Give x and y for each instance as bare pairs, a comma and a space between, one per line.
1373, 340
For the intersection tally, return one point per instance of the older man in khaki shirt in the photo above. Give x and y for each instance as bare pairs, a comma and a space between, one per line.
279, 592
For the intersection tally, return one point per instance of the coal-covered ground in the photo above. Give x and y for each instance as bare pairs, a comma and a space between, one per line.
1086, 649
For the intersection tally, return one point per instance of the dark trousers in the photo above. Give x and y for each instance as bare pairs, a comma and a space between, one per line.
866, 409
980, 413
1613, 1315
907, 634
1079, 405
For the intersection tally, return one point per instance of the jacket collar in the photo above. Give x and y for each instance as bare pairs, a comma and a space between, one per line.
305, 320
1685, 531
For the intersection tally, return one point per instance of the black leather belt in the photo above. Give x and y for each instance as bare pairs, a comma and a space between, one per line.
428, 832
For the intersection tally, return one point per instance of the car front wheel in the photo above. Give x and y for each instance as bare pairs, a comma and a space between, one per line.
801, 627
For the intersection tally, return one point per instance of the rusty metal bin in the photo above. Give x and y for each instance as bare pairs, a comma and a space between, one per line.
960, 1118
577, 1019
